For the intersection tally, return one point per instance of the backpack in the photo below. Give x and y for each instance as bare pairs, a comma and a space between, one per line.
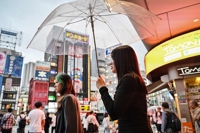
22, 122
174, 122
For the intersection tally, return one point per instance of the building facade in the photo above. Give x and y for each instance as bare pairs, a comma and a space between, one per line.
27, 74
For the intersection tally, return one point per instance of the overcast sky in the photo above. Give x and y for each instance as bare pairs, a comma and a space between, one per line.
27, 16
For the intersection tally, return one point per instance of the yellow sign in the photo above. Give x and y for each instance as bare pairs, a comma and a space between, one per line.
76, 36
85, 107
181, 47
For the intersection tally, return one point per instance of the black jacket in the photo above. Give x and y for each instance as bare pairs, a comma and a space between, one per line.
129, 106
68, 118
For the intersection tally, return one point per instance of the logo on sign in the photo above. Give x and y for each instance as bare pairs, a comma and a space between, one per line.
41, 75
189, 70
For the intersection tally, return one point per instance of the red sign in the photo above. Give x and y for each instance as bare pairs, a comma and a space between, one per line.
187, 127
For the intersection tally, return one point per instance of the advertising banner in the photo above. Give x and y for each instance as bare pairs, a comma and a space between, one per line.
8, 84
8, 33
14, 65
76, 45
52, 107
2, 61
178, 48
1, 79
41, 75
93, 83
42, 66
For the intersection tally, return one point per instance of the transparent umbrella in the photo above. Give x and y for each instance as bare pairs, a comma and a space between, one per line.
99, 23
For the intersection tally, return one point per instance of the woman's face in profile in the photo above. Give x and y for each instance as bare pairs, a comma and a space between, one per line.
57, 86
113, 68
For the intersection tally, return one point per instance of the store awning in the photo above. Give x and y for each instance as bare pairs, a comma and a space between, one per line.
156, 86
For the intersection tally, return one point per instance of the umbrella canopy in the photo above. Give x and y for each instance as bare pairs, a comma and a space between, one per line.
97, 22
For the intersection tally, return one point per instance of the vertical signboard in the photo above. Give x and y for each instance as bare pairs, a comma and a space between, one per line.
42, 70
2, 61
93, 84
1, 79
8, 83
76, 45
14, 65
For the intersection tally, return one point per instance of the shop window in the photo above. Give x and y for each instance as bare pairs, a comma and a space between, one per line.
9, 96
54, 56
6, 106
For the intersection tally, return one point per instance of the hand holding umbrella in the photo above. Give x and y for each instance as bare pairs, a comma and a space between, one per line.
100, 82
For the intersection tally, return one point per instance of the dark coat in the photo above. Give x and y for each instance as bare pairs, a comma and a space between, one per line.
68, 118
129, 106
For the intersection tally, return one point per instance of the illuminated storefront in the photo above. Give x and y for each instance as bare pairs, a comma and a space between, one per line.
176, 63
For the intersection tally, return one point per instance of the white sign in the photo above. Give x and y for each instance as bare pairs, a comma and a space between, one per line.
8, 84
42, 66
189, 70
183, 120
93, 84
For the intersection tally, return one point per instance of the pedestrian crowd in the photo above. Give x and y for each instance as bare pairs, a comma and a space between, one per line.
128, 106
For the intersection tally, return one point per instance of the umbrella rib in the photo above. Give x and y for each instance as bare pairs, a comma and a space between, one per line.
109, 28
111, 14
78, 9
128, 18
70, 22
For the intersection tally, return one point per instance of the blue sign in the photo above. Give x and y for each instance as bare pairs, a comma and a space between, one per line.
41, 75
53, 72
110, 49
1, 79
14, 65
8, 33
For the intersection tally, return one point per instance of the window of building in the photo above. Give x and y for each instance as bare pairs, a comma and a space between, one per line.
9, 96
53, 64
6, 106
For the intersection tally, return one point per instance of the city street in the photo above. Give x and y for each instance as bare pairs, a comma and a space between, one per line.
26, 129
100, 129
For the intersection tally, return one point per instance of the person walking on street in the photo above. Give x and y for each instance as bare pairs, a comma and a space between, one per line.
157, 116
7, 121
93, 124
85, 122
36, 119
131, 90
195, 112
21, 121
106, 123
68, 119
167, 118
47, 123
53, 123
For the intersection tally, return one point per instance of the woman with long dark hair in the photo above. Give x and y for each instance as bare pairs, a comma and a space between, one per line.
68, 118
129, 106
